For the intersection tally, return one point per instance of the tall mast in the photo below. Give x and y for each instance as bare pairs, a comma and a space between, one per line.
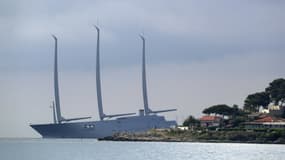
54, 113
98, 84
58, 118
56, 90
98, 79
144, 85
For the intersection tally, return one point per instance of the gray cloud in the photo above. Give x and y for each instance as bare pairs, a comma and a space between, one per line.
176, 31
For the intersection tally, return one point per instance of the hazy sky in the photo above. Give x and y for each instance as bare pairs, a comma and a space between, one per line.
199, 53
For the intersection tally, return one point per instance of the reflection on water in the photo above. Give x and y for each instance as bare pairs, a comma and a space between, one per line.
90, 149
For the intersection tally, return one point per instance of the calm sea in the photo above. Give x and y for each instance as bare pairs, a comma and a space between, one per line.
76, 149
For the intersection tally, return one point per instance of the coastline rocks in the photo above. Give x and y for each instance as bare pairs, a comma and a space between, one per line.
269, 137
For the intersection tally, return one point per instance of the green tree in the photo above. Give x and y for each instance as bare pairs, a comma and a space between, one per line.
276, 91
237, 111
191, 120
221, 109
254, 101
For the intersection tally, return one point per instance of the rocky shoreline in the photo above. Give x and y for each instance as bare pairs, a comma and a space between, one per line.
203, 137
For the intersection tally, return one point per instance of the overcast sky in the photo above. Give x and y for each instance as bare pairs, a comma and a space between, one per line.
199, 53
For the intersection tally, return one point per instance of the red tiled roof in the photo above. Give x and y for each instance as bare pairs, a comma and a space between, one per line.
266, 119
209, 118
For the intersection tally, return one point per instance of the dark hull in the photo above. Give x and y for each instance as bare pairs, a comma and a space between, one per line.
101, 129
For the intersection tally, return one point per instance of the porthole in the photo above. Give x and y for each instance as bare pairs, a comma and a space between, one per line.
89, 126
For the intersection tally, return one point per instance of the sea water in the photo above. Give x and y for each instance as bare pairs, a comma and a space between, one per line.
91, 149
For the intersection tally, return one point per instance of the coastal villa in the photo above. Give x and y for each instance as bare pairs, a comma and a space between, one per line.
273, 110
276, 110
183, 128
263, 110
266, 122
211, 121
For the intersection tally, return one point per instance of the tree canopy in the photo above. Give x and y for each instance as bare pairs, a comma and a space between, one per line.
191, 121
221, 109
276, 91
254, 101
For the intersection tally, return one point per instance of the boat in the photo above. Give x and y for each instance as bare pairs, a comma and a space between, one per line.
109, 124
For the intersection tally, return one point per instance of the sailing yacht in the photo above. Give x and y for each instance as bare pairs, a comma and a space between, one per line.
109, 124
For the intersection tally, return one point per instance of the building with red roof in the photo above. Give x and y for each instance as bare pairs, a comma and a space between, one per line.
266, 122
211, 121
